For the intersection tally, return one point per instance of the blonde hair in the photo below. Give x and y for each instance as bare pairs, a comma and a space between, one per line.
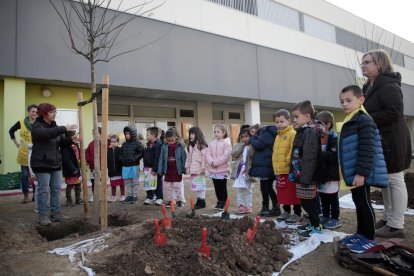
382, 59
223, 129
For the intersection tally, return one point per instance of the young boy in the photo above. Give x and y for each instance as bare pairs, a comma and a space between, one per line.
328, 189
306, 163
361, 163
282, 149
151, 158
172, 164
131, 154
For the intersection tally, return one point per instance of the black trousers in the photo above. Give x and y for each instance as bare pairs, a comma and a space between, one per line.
158, 192
220, 186
330, 205
266, 187
365, 213
93, 185
311, 207
297, 209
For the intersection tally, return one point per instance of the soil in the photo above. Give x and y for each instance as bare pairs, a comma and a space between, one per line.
376, 196
24, 250
230, 254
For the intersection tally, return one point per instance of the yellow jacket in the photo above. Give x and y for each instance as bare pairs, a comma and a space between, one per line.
282, 149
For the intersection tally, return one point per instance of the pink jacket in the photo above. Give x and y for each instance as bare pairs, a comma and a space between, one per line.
196, 160
219, 154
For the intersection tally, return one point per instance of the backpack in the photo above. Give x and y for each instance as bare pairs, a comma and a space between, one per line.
391, 257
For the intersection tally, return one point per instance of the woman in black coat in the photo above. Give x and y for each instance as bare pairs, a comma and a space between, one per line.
384, 102
46, 161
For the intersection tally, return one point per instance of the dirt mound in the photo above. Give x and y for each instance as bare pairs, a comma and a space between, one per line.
376, 196
230, 254
57, 231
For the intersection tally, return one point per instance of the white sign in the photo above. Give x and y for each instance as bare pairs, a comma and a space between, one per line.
66, 116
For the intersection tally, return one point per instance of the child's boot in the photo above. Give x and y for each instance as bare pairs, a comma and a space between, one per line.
78, 194
201, 203
69, 196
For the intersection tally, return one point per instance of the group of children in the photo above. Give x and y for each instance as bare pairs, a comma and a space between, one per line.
307, 160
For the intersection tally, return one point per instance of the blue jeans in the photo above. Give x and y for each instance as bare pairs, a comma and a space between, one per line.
24, 179
45, 181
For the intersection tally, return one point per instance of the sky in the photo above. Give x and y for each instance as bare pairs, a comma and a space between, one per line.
396, 16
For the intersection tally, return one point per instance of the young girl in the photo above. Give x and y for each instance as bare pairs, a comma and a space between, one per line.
115, 169
171, 164
71, 169
282, 149
218, 158
243, 154
195, 163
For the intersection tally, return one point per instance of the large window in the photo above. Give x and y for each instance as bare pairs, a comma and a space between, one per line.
279, 14
318, 28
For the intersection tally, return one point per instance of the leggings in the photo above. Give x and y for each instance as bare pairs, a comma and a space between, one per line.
266, 187
220, 186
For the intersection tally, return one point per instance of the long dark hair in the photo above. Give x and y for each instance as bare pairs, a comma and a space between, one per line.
198, 139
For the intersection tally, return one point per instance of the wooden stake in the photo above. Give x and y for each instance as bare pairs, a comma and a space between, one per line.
104, 152
83, 160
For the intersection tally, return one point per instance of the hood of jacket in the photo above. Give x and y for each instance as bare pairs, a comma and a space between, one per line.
271, 129
132, 131
316, 125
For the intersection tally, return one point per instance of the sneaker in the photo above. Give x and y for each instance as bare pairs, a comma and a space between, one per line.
242, 209
275, 212
284, 216
59, 217
180, 204
390, 232
127, 199
293, 219
314, 230
249, 210
352, 239
380, 224
122, 198
44, 220
264, 211
323, 220
362, 245
133, 200
305, 227
220, 205
148, 201
159, 202
112, 199
332, 224
79, 201
168, 205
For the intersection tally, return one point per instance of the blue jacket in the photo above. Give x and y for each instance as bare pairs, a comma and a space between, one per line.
263, 148
360, 151
180, 157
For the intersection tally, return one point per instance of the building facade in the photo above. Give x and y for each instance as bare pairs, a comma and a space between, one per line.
206, 62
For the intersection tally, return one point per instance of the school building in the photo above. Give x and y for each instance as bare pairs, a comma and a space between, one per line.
201, 62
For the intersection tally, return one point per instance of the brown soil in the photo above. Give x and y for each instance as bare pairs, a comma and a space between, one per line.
376, 195
230, 254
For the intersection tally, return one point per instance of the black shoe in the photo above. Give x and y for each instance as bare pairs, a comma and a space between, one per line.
168, 205
275, 212
220, 205
179, 204
201, 204
264, 211
133, 200
127, 199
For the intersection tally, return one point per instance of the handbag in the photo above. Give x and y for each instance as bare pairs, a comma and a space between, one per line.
198, 183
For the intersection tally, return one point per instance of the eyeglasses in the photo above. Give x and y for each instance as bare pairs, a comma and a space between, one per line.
365, 63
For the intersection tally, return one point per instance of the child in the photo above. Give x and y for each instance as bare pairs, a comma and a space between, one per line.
328, 190
32, 177
172, 164
90, 160
131, 154
243, 154
115, 169
71, 169
306, 163
218, 158
262, 168
195, 163
361, 163
282, 149
151, 158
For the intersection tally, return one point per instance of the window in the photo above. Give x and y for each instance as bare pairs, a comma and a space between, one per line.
234, 116
154, 111
115, 109
279, 14
266, 117
318, 28
218, 115
187, 113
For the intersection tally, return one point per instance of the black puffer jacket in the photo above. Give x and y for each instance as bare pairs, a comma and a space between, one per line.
384, 103
330, 158
70, 164
132, 149
47, 139
306, 165
114, 162
152, 155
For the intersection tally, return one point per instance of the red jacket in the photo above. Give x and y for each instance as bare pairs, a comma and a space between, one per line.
90, 156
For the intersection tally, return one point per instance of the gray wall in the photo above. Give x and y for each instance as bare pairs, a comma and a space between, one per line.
183, 60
